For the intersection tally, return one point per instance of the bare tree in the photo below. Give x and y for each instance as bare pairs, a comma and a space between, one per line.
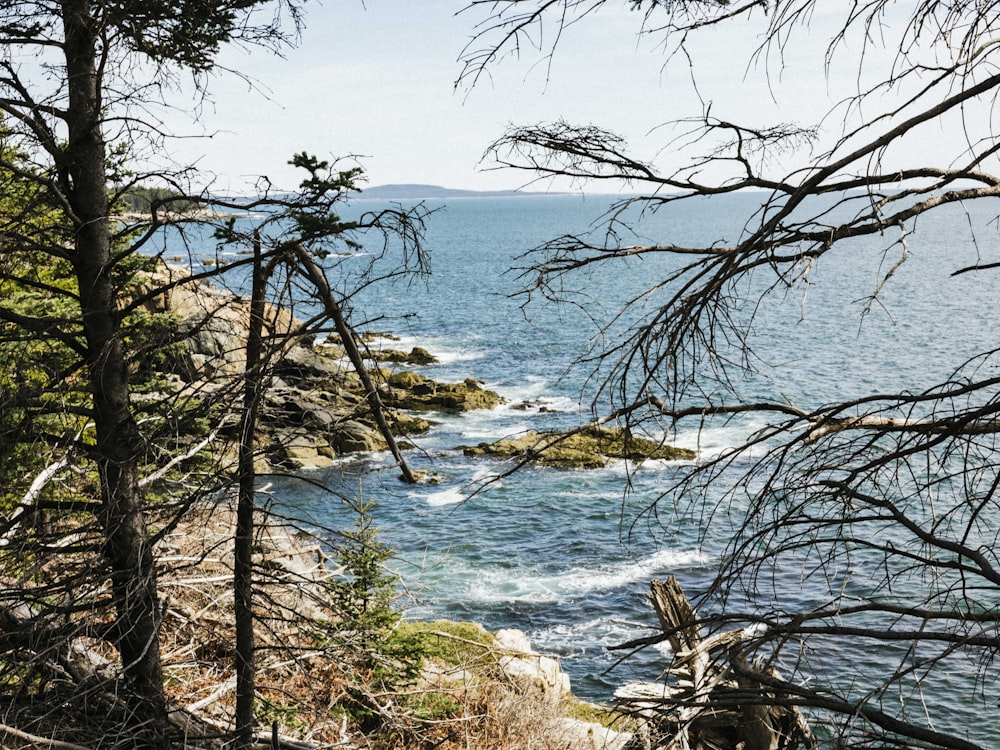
74, 78
887, 501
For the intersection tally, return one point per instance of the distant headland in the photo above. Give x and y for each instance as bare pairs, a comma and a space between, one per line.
415, 191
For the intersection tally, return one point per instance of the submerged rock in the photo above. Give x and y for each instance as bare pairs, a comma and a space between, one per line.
590, 448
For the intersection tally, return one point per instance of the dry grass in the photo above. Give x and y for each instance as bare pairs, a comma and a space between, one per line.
314, 685
313, 688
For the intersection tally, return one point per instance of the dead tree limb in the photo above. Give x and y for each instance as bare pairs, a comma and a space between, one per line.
347, 337
712, 700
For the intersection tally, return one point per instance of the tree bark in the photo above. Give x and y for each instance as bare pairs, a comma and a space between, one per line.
126, 546
346, 333
243, 546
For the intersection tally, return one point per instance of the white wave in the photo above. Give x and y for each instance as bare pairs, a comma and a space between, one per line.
527, 389
621, 467
517, 585
450, 357
450, 496
481, 426
443, 350
460, 492
578, 636
714, 439
536, 404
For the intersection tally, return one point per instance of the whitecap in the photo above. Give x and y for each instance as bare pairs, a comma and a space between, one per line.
481, 426
443, 350
451, 496
536, 404
450, 356
602, 631
460, 492
529, 388
521, 585
621, 467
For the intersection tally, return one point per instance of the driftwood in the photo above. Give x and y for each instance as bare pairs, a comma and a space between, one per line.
710, 699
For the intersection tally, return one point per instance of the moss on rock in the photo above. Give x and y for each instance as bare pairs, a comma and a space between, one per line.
409, 390
590, 448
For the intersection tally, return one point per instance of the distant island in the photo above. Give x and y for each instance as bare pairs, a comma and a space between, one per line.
417, 192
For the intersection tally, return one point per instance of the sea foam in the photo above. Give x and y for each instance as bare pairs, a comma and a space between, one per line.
518, 584
460, 492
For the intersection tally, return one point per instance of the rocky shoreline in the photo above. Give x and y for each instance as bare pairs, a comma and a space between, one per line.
490, 685
315, 408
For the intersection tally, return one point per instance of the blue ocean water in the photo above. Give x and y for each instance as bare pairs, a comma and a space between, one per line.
567, 555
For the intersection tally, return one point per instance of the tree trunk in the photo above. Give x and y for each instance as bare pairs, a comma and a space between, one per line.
126, 545
243, 547
347, 338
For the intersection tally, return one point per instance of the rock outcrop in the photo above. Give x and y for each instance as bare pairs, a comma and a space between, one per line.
541, 677
520, 662
590, 448
315, 407
416, 356
409, 390
213, 323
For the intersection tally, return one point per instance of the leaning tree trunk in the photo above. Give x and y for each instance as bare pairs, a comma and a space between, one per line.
126, 546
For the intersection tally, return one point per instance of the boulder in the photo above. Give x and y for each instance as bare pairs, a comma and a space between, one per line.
302, 450
520, 662
590, 448
420, 356
353, 436
308, 363
407, 424
589, 735
416, 356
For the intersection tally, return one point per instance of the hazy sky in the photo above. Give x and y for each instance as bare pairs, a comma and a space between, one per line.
377, 79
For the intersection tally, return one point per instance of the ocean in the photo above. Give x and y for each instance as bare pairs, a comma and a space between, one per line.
567, 555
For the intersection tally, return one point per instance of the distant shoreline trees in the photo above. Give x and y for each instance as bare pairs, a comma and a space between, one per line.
140, 199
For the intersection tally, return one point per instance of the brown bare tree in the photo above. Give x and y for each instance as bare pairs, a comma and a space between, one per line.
888, 502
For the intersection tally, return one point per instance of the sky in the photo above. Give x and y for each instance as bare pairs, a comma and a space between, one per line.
377, 80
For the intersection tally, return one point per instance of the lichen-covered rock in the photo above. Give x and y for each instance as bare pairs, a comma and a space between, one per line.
408, 390
407, 424
302, 450
590, 448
